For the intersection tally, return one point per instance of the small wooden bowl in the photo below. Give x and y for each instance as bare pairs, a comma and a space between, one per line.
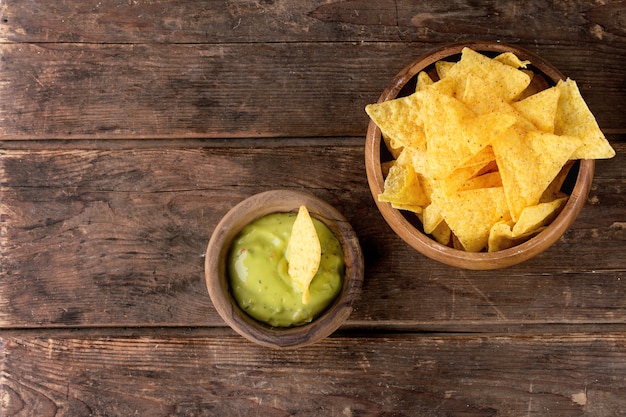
217, 280
577, 185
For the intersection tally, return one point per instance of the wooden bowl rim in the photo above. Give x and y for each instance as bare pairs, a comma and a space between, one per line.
216, 276
425, 244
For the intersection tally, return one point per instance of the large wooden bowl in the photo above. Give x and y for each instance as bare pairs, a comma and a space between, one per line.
577, 185
217, 280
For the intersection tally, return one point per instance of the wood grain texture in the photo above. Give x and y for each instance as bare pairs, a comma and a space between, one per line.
210, 21
128, 128
405, 375
117, 237
256, 69
87, 91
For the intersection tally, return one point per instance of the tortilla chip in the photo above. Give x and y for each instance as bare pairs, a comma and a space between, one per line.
431, 218
574, 118
488, 180
554, 189
423, 81
454, 134
399, 121
540, 108
534, 217
510, 59
442, 68
402, 187
528, 162
471, 214
442, 233
304, 252
506, 81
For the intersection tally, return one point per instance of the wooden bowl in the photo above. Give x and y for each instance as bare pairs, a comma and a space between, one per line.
577, 185
217, 280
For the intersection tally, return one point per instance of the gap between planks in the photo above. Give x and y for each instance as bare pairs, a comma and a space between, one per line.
167, 143
349, 330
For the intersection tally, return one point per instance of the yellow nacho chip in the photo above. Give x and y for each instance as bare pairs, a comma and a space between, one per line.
460, 176
501, 236
488, 180
442, 68
402, 187
553, 191
304, 252
481, 159
482, 99
534, 217
423, 81
540, 108
575, 119
506, 81
441, 233
528, 162
454, 134
431, 217
444, 116
537, 83
510, 59
414, 157
399, 121
408, 207
471, 214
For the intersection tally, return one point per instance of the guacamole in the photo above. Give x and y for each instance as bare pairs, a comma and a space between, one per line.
258, 275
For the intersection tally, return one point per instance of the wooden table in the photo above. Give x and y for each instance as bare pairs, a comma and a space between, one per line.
129, 128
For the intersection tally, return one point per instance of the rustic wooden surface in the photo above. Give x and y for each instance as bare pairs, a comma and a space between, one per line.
128, 128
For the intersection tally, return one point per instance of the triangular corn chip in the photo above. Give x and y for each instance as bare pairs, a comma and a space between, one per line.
442, 68
471, 214
501, 236
533, 217
510, 59
484, 100
402, 187
423, 81
492, 72
399, 121
528, 162
488, 180
304, 252
540, 108
431, 217
554, 189
575, 119
441, 232
454, 134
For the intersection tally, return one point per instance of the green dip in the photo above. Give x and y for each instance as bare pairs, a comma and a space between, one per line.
258, 272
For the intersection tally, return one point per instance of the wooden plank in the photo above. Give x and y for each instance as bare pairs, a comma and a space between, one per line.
87, 91
98, 237
132, 91
210, 21
434, 375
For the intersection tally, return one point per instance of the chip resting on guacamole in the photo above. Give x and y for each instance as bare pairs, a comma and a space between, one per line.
479, 155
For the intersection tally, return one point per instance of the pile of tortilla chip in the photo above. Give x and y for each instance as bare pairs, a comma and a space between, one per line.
480, 155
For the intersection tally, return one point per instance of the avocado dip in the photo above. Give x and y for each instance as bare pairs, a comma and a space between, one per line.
259, 279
